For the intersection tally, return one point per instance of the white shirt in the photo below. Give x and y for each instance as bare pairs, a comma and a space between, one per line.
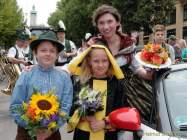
12, 52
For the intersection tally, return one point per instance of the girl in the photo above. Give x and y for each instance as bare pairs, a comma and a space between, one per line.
97, 68
45, 78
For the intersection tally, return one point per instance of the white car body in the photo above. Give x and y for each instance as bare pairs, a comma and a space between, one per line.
149, 134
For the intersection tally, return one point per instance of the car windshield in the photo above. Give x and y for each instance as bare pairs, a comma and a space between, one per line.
37, 32
175, 87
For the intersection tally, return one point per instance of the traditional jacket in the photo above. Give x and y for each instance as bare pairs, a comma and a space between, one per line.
115, 99
125, 56
138, 91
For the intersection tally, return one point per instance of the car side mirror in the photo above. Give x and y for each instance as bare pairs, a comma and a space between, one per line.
126, 119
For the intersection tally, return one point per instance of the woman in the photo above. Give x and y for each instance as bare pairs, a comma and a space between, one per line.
107, 20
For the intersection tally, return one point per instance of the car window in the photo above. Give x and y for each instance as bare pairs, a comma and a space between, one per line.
36, 32
175, 87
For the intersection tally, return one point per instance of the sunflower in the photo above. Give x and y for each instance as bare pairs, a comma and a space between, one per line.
46, 105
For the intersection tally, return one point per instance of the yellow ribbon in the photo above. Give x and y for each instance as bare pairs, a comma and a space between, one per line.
74, 65
98, 85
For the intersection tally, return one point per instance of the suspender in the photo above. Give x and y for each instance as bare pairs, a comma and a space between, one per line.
17, 53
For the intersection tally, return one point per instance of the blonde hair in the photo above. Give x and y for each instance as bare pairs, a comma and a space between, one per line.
86, 72
158, 27
182, 43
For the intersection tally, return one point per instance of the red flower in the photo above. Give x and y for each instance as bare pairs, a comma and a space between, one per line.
157, 60
146, 56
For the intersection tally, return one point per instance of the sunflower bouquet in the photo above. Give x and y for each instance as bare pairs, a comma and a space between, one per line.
41, 112
89, 102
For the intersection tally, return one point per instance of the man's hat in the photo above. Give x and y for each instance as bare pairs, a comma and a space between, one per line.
87, 37
172, 37
47, 36
22, 34
61, 27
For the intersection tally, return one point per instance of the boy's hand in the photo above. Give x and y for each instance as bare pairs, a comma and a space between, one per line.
28, 68
43, 134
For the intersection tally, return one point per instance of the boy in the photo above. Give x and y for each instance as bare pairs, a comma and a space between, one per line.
45, 78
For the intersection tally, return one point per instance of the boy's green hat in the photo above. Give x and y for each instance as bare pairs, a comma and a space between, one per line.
47, 36
22, 35
172, 37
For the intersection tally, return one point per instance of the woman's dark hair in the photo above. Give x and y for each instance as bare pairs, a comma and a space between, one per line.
103, 9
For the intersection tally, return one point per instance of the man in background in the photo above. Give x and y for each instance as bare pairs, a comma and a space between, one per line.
15, 53
172, 40
70, 50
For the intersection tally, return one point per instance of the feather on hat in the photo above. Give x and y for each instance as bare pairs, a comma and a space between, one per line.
61, 26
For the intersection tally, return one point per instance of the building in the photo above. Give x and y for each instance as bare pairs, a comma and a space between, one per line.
177, 20
176, 23
33, 17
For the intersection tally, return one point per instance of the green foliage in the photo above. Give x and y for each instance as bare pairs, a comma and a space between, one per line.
136, 15
11, 18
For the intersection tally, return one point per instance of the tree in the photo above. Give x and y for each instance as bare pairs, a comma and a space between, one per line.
11, 18
136, 15
76, 15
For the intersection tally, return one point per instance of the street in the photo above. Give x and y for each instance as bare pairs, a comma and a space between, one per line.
7, 125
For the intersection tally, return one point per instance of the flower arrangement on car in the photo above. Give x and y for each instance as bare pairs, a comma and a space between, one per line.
154, 54
88, 103
41, 112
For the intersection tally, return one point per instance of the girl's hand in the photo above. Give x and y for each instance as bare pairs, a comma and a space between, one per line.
82, 119
97, 125
43, 134
90, 118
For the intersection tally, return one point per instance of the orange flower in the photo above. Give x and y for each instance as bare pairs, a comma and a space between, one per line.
31, 113
154, 54
156, 48
157, 60
146, 55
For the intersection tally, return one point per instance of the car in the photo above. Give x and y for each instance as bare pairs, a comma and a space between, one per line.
169, 114
37, 30
170, 92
